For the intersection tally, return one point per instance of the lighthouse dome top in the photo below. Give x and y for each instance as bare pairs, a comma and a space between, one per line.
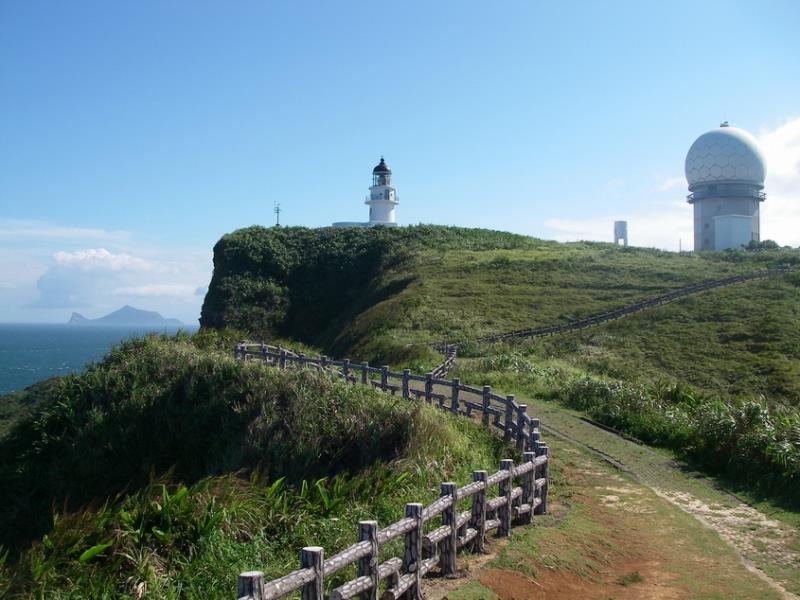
725, 155
382, 167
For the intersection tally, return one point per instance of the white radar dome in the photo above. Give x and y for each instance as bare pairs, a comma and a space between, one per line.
726, 154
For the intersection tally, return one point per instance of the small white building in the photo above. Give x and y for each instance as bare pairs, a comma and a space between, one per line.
382, 200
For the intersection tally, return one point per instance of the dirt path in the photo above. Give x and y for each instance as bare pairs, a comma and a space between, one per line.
606, 536
767, 547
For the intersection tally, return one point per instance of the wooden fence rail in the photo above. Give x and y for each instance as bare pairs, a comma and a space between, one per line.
611, 315
521, 491
502, 412
426, 546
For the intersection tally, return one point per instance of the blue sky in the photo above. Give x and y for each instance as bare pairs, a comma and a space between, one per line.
135, 134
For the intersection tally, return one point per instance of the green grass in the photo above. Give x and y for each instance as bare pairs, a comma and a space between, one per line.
167, 468
630, 578
604, 532
716, 376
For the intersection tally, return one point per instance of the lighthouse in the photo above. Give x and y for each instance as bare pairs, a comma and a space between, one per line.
382, 196
381, 200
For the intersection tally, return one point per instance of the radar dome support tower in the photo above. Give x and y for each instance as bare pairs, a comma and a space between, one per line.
725, 170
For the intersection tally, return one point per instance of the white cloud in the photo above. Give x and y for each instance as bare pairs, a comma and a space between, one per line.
661, 228
670, 183
47, 270
99, 259
20, 229
97, 278
176, 290
780, 213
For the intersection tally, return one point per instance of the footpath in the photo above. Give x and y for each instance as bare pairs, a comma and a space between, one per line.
735, 551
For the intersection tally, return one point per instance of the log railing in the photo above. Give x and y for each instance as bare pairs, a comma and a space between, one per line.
611, 315
501, 412
443, 369
512, 494
521, 491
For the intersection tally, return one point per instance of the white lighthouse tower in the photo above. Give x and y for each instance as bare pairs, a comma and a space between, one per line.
382, 197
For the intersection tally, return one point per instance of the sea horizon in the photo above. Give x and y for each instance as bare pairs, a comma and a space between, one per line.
33, 352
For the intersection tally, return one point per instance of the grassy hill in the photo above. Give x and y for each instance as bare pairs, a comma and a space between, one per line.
714, 376
381, 293
168, 468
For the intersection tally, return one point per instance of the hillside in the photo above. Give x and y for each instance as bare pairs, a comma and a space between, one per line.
714, 376
169, 467
381, 293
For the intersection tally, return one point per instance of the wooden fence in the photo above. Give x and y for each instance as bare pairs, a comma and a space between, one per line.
599, 318
425, 546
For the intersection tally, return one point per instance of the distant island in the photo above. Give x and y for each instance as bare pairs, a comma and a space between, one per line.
127, 316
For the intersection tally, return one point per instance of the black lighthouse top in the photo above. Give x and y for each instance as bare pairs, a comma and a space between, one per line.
382, 167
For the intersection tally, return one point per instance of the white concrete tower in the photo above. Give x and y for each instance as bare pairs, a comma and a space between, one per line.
621, 232
382, 196
725, 171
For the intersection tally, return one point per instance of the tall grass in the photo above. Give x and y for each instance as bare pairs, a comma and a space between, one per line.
168, 467
745, 439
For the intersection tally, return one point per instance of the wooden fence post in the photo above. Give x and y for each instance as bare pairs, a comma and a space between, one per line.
282, 359
263, 352
521, 410
251, 585
346, 369
313, 557
450, 543
384, 377
546, 475
364, 372
368, 566
509, 419
323, 362
537, 451
406, 373
454, 403
506, 485
428, 387
487, 390
533, 433
412, 555
478, 519
528, 487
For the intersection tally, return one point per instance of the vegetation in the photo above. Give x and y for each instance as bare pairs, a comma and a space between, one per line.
309, 283
607, 537
715, 376
721, 436
168, 467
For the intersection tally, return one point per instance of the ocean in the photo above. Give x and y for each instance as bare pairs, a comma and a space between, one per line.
32, 352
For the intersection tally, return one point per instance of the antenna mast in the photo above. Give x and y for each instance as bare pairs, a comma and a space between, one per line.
277, 211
